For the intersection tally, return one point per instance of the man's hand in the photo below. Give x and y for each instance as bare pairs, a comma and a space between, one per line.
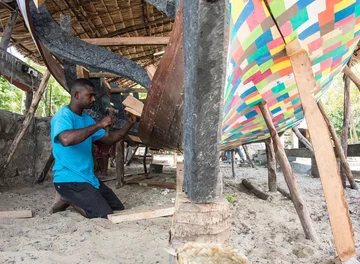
131, 118
107, 121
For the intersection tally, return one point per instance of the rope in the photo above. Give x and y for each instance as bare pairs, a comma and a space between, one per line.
209, 253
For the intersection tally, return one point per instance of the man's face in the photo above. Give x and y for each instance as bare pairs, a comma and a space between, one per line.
86, 97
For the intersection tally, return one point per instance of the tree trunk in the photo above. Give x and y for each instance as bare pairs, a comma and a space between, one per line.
271, 165
289, 176
29, 116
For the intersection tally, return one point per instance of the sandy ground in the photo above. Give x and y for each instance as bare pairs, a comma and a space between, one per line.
265, 231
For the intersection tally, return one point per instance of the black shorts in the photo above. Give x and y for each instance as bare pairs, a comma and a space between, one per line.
95, 202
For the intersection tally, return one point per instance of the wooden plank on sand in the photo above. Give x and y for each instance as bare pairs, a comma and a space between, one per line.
16, 214
134, 215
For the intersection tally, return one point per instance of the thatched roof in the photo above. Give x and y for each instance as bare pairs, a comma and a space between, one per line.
97, 19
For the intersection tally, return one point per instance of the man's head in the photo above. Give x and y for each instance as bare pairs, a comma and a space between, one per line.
83, 93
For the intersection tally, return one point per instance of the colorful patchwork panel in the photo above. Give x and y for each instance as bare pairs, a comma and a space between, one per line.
259, 69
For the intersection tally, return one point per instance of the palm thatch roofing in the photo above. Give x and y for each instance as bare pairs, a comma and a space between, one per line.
97, 19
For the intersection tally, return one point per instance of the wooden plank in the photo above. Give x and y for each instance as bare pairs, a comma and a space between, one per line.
133, 111
103, 75
128, 90
128, 41
151, 69
302, 138
134, 104
325, 157
38, 3
16, 214
289, 176
81, 72
135, 215
135, 138
179, 177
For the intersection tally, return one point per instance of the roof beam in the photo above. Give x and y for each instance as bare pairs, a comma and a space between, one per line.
128, 41
128, 90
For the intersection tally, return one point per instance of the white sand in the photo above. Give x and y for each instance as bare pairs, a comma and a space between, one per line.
265, 231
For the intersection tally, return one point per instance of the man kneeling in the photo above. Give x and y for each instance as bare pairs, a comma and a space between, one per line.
72, 135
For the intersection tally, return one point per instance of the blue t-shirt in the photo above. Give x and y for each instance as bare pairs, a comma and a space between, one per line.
73, 163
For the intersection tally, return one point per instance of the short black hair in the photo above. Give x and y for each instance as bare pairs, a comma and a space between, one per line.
82, 82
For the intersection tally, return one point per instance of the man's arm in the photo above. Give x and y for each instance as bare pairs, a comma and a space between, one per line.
119, 134
76, 136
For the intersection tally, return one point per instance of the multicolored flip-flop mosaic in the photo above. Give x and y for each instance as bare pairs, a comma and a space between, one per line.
259, 69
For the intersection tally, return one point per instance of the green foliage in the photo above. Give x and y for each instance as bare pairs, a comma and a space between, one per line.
333, 101
230, 198
10, 96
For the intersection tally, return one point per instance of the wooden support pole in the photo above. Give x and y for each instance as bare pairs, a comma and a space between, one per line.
284, 192
120, 164
324, 154
6, 36
290, 179
233, 163
302, 139
257, 192
128, 41
180, 177
345, 129
46, 169
27, 120
338, 148
248, 156
271, 165
352, 76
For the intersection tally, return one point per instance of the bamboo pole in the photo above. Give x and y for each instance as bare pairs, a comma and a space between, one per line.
289, 176
338, 148
29, 116
271, 165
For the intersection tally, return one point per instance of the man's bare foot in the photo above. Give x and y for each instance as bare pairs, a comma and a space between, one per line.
59, 204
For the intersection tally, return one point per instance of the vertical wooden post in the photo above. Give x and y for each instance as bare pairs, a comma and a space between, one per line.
352, 76
27, 120
179, 177
346, 122
119, 161
144, 161
324, 153
338, 148
271, 165
289, 176
6, 36
175, 159
233, 163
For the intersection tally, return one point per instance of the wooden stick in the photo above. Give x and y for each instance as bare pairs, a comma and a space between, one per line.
248, 156
271, 165
27, 120
284, 192
345, 129
338, 148
290, 179
179, 177
352, 76
128, 41
257, 192
302, 139
144, 161
120, 164
16, 214
46, 169
324, 154
134, 215
233, 163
